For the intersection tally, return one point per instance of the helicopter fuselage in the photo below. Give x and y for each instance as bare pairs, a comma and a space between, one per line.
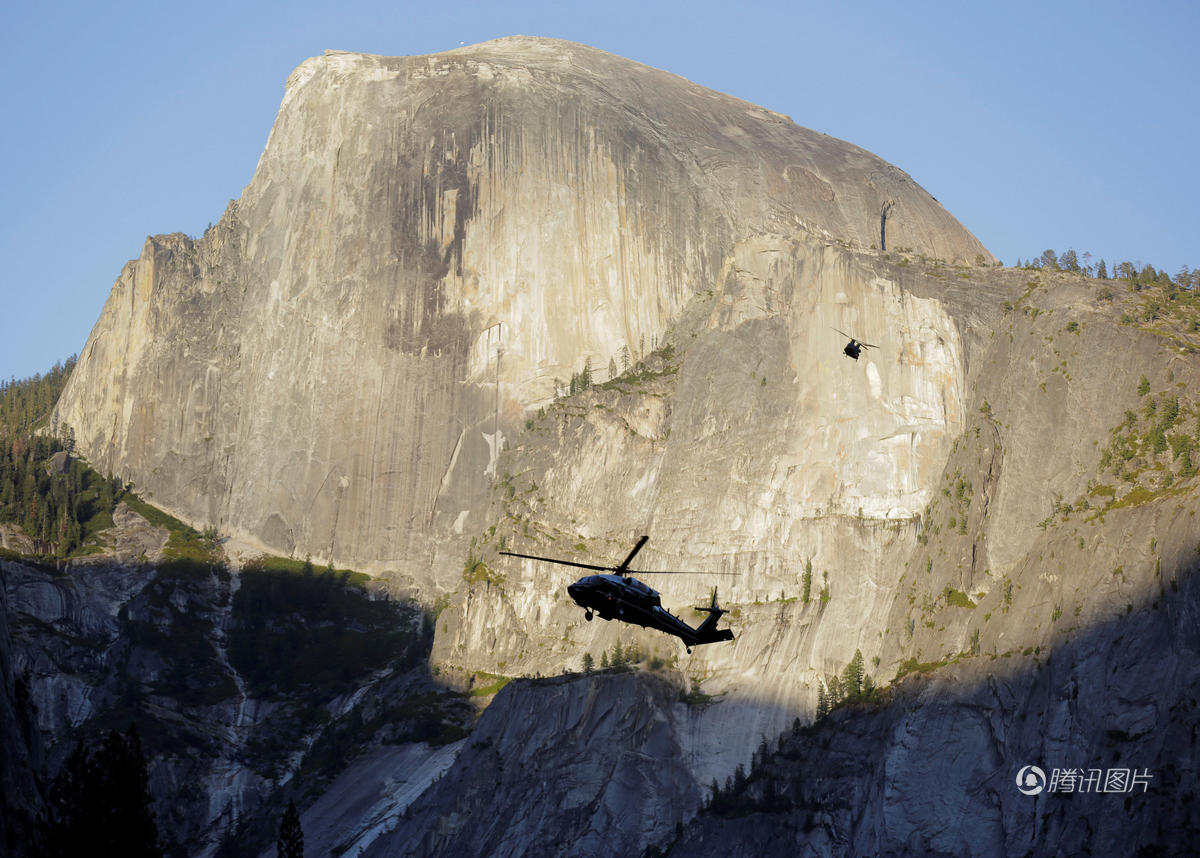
625, 598
615, 594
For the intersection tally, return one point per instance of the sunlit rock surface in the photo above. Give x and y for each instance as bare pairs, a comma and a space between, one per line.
427, 246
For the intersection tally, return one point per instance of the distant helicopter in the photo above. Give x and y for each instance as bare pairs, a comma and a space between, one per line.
620, 596
854, 347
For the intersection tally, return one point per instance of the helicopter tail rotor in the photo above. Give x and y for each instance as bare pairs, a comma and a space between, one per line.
708, 631
712, 608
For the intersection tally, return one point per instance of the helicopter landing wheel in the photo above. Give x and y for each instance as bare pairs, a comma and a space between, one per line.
587, 615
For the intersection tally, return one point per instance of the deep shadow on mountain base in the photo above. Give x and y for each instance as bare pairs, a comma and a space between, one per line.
934, 772
574, 765
582, 765
579, 764
20, 751
247, 690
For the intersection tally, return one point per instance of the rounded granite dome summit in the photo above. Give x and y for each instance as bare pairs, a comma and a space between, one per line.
771, 174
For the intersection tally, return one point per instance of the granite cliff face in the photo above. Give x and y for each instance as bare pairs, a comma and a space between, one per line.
1009, 539
360, 362
427, 246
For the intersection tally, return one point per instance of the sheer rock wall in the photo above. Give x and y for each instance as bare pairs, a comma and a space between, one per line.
427, 245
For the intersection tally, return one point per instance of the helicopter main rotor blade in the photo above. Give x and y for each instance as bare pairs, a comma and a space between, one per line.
675, 572
561, 562
624, 567
853, 340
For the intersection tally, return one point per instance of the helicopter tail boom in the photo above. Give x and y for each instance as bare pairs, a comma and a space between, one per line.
707, 631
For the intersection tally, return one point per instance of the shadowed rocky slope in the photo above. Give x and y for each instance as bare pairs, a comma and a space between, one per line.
935, 771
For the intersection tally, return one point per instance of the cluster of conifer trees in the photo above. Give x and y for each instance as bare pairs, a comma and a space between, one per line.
99, 804
54, 505
26, 403
1069, 260
855, 685
621, 657
735, 798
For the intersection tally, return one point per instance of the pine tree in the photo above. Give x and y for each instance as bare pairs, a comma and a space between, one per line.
589, 663
71, 819
836, 692
807, 581
739, 778
822, 701
131, 814
1186, 468
291, 835
763, 754
852, 677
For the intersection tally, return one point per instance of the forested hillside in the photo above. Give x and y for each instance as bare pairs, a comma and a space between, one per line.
26, 404
57, 502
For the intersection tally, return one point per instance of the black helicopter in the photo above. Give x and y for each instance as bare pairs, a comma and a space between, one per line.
854, 347
618, 595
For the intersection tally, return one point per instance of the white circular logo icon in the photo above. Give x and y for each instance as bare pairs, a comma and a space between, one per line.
1031, 780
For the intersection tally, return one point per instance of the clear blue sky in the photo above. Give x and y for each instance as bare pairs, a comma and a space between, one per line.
1037, 124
